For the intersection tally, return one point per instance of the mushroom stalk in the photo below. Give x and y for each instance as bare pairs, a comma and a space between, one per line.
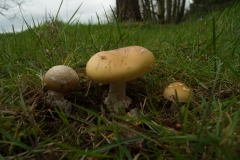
56, 99
117, 96
117, 91
174, 107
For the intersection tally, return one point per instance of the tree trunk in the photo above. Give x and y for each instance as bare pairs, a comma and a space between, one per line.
161, 11
128, 10
153, 14
146, 10
181, 11
169, 11
174, 11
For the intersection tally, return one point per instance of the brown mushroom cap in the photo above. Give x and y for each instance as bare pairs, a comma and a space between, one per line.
61, 79
120, 65
183, 92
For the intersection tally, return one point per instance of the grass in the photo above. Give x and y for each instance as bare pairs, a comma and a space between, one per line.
202, 53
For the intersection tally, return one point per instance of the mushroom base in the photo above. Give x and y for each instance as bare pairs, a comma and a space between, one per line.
55, 99
117, 97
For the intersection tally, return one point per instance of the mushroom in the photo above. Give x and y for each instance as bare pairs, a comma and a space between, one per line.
60, 80
116, 67
177, 92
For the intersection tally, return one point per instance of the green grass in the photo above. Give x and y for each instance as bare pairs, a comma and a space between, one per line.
202, 53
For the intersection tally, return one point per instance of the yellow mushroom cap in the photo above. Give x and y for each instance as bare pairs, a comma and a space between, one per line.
61, 79
183, 92
120, 65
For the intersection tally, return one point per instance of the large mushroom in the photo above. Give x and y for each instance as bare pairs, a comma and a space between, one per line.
60, 80
177, 92
116, 67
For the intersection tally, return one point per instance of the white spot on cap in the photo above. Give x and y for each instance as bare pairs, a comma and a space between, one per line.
185, 89
143, 50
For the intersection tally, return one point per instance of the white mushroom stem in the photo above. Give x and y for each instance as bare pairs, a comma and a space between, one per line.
117, 97
56, 99
55, 95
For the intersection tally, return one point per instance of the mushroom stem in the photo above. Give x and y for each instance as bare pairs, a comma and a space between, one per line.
56, 95
117, 91
174, 107
56, 99
117, 96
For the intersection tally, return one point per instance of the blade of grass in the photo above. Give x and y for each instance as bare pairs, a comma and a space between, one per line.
116, 144
121, 146
22, 100
214, 42
14, 141
1, 157
67, 24
206, 111
56, 17
80, 153
233, 124
63, 117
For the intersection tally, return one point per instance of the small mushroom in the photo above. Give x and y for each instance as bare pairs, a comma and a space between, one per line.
60, 80
116, 67
177, 92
